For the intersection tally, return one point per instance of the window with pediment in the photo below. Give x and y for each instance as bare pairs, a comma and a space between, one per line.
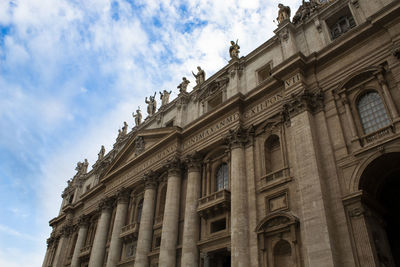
372, 112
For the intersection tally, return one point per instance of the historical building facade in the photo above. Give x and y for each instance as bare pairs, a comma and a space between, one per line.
288, 156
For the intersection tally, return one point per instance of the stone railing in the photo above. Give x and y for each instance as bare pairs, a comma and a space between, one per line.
214, 203
129, 230
369, 138
85, 251
276, 174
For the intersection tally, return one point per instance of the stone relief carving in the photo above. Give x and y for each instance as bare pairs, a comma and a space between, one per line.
183, 85
139, 145
283, 13
151, 105
213, 87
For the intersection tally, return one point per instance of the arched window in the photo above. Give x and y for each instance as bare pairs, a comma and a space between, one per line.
273, 155
222, 177
283, 254
139, 211
372, 112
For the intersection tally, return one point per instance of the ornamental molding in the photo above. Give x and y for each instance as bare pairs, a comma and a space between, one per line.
305, 101
193, 162
214, 87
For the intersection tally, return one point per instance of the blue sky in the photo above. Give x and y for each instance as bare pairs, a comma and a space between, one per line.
72, 71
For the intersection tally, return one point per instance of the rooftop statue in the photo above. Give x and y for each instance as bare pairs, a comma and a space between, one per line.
125, 128
234, 50
137, 116
183, 85
305, 10
283, 13
200, 76
81, 167
164, 96
151, 105
101, 153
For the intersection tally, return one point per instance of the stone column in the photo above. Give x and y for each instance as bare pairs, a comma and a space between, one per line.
190, 253
169, 235
100, 238
388, 96
50, 244
119, 221
61, 247
239, 224
80, 241
146, 222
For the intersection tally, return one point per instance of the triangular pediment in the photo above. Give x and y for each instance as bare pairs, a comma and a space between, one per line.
137, 145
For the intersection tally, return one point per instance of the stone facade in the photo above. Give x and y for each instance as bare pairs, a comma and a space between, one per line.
287, 156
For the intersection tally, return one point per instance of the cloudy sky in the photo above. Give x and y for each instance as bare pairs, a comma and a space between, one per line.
72, 71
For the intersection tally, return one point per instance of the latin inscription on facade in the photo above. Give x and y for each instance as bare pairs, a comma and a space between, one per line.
263, 106
292, 80
215, 128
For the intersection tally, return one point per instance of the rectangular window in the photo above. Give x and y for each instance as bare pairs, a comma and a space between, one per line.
264, 73
218, 225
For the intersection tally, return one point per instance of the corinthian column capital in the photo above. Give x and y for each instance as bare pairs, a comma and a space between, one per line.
193, 162
238, 137
106, 203
83, 220
173, 166
150, 180
123, 195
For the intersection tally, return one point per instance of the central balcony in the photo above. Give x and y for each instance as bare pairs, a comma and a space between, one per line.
215, 203
129, 231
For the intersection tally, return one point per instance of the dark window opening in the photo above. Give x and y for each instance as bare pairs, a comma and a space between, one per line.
218, 225
264, 73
